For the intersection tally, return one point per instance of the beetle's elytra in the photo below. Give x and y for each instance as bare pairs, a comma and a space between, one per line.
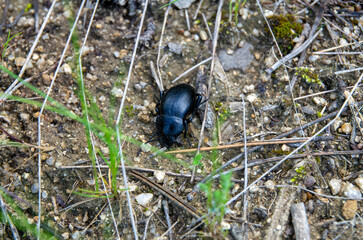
175, 110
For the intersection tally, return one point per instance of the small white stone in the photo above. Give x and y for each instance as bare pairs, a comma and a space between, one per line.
270, 183
343, 41
144, 198
19, 61
337, 124
249, 88
252, 98
116, 54
255, 32
66, 69
335, 186
285, 148
359, 182
269, 61
313, 58
159, 175
225, 225
320, 101
351, 191
117, 92
269, 13
24, 116
203, 35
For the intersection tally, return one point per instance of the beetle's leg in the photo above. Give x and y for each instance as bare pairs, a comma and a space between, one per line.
185, 123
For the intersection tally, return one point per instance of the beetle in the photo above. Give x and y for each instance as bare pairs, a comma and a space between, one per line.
175, 110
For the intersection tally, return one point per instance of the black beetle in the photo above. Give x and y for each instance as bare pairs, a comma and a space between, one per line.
175, 110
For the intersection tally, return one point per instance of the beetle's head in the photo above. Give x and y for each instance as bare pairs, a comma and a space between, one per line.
169, 127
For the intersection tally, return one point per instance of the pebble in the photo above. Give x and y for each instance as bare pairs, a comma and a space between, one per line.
252, 98
117, 92
187, 34
335, 186
159, 175
44, 194
243, 12
116, 54
308, 110
144, 198
346, 128
343, 41
359, 182
255, 32
76, 235
349, 209
309, 181
270, 183
66, 69
313, 58
203, 35
249, 88
337, 124
19, 61
175, 47
238, 59
143, 117
235, 107
50, 161
323, 199
183, 3
320, 101
34, 188
24, 117
269, 62
351, 191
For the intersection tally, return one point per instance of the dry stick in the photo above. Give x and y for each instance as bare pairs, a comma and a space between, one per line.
147, 225
337, 47
119, 119
87, 117
293, 54
258, 143
245, 201
348, 70
337, 53
161, 237
196, 188
167, 217
10, 89
317, 20
99, 212
300, 147
36, 15
191, 69
207, 26
196, 12
187, 18
215, 41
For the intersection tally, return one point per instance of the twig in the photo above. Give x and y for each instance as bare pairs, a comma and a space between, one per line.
196, 12
191, 69
147, 225
167, 217
259, 143
294, 53
161, 237
99, 212
245, 201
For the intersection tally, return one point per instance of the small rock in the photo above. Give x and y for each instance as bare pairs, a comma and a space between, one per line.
34, 188
65, 235
239, 59
249, 88
343, 41
175, 47
183, 3
320, 101
203, 35
257, 56
243, 12
359, 182
351, 191
225, 225
270, 183
337, 124
349, 209
313, 58
19, 61
144, 198
76, 235
346, 128
335, 186
309, 181
235, 107
117, 92
285, 148
143, 117
66, 69
252, 98
50, 161
255, 32
159, 175
186, 34
308, 110
269, 62
24, 117
44, 194
116, 54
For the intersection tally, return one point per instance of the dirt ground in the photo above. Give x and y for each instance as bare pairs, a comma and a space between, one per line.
321, 78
